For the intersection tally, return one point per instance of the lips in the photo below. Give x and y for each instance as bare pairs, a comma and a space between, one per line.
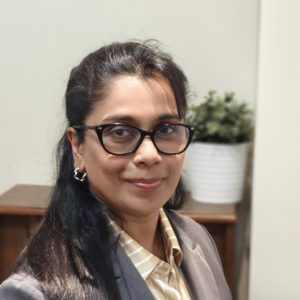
146, 184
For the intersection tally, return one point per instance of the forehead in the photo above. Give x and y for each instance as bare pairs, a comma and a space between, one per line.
136, 98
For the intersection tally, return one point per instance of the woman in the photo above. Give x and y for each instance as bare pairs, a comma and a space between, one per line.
109, 232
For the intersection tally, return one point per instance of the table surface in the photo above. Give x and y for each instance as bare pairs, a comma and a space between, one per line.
25, 199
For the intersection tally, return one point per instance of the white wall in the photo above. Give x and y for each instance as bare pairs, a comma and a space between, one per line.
275, 243
214, 41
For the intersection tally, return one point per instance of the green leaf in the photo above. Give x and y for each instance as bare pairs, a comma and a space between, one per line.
221, 119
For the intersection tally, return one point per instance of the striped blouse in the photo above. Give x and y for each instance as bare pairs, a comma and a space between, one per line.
164, 279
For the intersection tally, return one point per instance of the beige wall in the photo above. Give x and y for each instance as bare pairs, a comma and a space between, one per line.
275, 243
214, 41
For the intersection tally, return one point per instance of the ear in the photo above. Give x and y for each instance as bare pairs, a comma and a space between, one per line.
77, 149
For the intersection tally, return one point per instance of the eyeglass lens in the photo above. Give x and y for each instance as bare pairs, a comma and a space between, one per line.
122, 139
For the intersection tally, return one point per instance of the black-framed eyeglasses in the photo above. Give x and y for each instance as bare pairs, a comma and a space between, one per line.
121, 139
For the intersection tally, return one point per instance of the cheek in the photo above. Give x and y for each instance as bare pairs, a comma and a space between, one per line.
175, 167
178, 162
99, 168
103, 171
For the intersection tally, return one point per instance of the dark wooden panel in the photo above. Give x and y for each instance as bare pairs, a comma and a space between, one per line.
14, 234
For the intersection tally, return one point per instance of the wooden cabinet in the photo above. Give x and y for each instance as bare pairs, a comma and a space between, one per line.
22, 207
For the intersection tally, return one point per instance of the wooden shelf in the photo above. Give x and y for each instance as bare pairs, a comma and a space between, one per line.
26, 200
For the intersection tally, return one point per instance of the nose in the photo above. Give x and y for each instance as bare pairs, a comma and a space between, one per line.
147, 153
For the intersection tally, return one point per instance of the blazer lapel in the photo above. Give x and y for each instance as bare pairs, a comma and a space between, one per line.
131, 284
197, 272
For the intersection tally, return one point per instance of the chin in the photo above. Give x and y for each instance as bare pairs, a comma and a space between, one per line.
147, 206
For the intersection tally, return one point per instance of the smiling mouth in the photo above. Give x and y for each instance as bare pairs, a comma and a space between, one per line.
146, 184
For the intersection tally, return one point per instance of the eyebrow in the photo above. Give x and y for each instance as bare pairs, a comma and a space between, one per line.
126, 118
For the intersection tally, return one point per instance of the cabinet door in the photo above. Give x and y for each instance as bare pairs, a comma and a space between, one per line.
15, 230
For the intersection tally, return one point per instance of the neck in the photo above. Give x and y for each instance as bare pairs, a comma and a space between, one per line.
146, 232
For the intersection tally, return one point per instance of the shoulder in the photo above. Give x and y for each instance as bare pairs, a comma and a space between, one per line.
186, 224
21, 286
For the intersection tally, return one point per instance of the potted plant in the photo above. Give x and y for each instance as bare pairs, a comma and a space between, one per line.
216, 159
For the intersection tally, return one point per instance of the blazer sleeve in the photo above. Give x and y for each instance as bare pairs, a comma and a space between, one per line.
20, 286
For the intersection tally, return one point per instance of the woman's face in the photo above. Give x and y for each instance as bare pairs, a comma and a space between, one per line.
137, 184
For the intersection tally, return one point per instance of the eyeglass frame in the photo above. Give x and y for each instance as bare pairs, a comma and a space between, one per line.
143, 133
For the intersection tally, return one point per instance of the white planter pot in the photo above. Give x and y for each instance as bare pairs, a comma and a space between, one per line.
215, 173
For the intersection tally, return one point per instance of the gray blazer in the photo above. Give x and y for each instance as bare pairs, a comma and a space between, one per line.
201, 267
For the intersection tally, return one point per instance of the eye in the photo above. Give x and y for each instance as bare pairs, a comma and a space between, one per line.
119, 131
120, 134
166, 132
166, 129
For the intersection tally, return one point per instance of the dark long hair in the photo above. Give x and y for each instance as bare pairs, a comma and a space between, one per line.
71, 253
